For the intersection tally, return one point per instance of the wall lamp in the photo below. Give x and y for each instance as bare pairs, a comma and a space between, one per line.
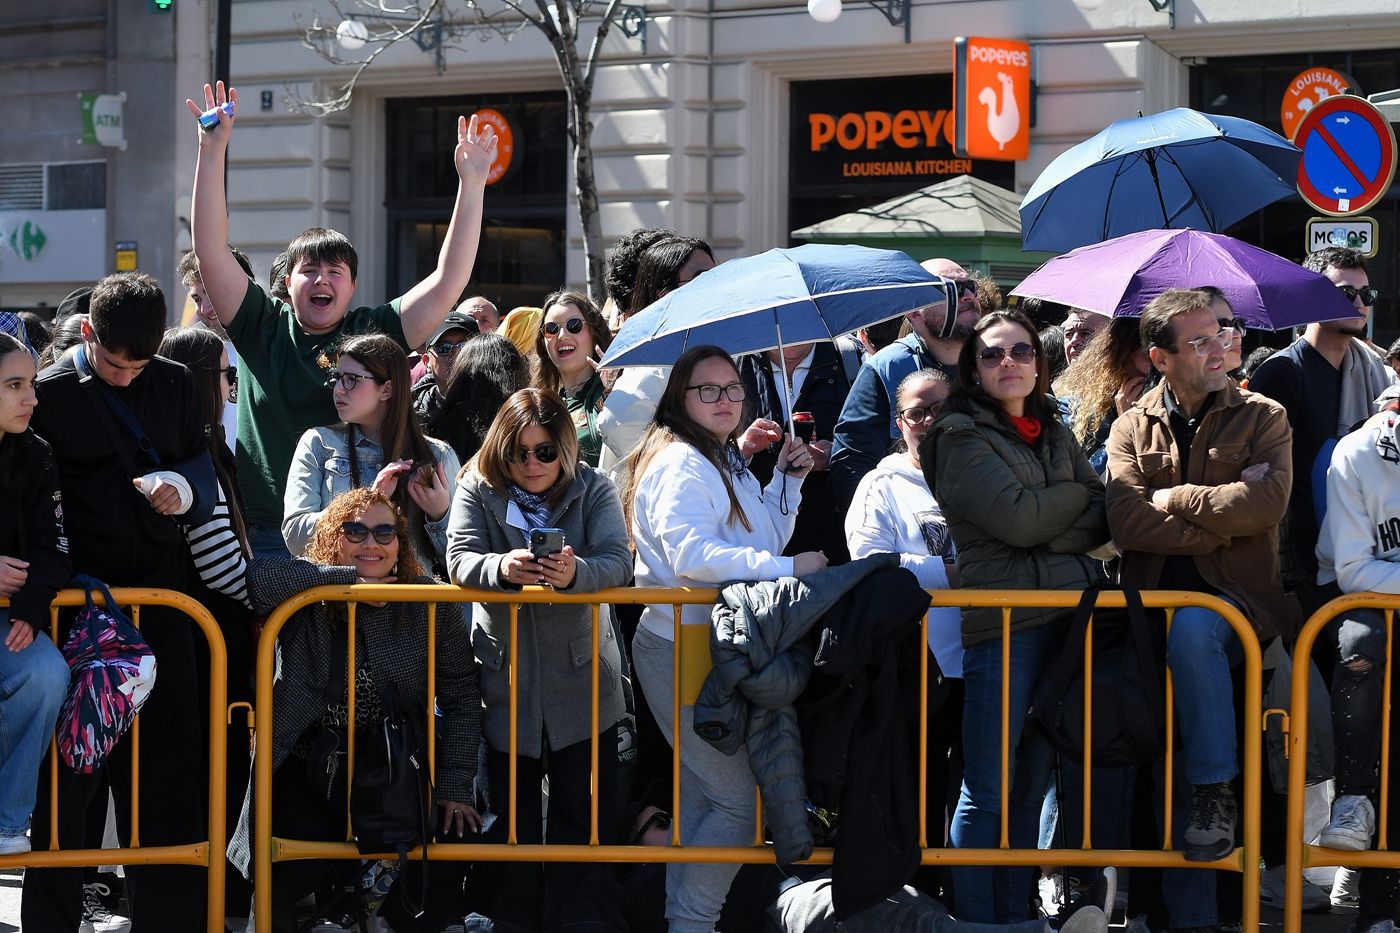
896, 11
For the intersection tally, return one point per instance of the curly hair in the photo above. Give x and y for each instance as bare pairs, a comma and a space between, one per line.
1098, 373
324, 546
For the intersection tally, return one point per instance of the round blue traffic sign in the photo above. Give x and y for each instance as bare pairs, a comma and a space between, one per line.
1348, 155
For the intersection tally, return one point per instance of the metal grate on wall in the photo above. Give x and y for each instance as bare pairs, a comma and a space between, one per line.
54, 186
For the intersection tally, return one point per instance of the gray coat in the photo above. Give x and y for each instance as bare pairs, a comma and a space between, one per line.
761, 666
556, 642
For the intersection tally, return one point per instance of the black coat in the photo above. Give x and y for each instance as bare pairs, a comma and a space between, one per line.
114, 533
31, 524
820, 525
859, 723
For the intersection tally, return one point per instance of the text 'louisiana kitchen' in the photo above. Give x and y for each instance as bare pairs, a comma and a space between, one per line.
907, 167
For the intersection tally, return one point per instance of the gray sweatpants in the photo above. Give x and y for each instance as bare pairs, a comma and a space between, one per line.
717, 796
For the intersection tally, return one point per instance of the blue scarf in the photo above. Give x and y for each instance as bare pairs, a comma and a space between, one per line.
534, 506
734, 460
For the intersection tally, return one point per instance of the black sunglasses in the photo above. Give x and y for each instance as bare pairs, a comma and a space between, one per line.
967, 287
1020, 353
446, 347
573, 325
658, 820
1368, 293
356, 532
232, 373
544, 453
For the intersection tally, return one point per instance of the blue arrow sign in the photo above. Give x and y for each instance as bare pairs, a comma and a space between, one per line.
1348, 155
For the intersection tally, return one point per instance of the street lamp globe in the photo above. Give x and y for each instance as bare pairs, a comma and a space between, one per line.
351, 34
824, 11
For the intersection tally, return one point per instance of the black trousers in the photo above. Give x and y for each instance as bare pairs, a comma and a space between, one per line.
550, 896
162, 897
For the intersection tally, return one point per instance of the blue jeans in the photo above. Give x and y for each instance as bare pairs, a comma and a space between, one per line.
1001, 895
1201, 649
267, 541
33, 683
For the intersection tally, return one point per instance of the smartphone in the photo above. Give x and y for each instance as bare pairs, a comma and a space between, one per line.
210, 118
805, 426
546, 541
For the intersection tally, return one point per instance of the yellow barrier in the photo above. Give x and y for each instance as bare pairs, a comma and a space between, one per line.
201, 854
692, 662
1300, 855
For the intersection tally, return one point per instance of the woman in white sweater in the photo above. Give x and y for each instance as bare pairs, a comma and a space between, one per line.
699, 518
893, 512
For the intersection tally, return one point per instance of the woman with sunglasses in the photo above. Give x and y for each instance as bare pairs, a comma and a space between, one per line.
377, 443
526, 477
1024, 508
893, 512
360, 537
699, 518
572, 338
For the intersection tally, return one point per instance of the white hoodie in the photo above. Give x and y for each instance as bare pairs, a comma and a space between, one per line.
683, 536
893, 512
1358, 544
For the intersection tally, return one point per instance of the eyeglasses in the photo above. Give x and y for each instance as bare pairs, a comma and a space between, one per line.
918, 414
1220, 340
1019, 353
349, 381
1367, 293
658, 820
446, 347
710, 393
357, 532
232, 373
544, 453
573, 325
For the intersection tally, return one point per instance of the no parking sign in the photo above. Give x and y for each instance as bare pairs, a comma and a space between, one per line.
1348, 155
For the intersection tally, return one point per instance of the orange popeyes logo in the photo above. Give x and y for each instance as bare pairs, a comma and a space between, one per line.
1308, 89
992, 97
872, 129
505, 143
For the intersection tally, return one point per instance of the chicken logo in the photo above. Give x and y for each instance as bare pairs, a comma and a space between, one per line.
1306, 91
1004, 116
992, 90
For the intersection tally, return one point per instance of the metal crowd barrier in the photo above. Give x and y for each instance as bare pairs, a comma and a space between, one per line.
1301, 856
692, 663
202, 853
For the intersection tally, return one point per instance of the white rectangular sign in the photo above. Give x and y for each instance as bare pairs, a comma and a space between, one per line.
1358, 233
52, 246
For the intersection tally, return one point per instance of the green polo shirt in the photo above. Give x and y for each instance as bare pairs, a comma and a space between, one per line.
284, 388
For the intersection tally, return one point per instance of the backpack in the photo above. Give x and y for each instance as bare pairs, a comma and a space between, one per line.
113, 672
1129, 706
391, 794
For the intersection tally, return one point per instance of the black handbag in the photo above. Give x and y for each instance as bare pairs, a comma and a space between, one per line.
1129, 705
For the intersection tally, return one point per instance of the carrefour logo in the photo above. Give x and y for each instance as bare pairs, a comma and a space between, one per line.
27, 241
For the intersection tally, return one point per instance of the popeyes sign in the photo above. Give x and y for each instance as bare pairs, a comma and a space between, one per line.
992, 98
873, 129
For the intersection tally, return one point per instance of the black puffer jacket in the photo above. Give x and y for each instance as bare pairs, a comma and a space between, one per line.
31, 523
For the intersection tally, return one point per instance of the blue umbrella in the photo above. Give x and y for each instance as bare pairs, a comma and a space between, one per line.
1180, 168
777, 298
781, 297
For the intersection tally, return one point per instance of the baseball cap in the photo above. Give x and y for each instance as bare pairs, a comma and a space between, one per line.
75, 302
456, 320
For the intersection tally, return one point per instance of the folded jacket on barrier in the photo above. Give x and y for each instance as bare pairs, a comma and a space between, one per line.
763, 660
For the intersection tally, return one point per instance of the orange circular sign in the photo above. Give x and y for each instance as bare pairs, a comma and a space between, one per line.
1306, 91
505, 143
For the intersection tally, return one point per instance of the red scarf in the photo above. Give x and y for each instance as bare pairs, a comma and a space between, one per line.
1028, 427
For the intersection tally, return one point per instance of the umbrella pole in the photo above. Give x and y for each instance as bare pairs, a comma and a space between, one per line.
1157, 183
787, 377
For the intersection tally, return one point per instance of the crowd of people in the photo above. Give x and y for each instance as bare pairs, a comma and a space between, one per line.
431, 438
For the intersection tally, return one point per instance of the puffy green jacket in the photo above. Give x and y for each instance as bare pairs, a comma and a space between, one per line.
1022, 516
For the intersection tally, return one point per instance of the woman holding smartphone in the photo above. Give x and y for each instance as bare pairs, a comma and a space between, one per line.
700, 518
377, 443
527, 482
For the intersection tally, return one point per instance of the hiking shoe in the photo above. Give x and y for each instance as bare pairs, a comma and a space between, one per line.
14, 845
1210, 828
1346, 888
1271, 891
1353, 823
97, 915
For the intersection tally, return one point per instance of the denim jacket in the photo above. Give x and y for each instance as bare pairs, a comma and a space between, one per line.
321, 471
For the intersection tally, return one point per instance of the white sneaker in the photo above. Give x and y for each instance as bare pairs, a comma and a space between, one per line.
1346, 888
1381, 926
1089, 919
13, 845
97, 917
1353, 823
1271, 891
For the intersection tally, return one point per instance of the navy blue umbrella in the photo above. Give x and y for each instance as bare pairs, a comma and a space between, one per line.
1180, 168
778, 298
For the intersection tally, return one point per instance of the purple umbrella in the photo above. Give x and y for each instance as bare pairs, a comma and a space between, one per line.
1118, 277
